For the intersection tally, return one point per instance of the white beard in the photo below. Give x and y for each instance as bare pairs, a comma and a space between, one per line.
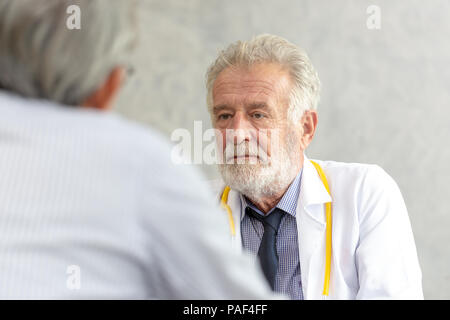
258, 180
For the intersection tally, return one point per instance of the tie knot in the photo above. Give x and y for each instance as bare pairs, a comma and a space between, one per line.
271, 220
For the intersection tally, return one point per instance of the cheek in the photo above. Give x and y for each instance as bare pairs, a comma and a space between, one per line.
294, 141
271, 141
221, 140
281, 141
264, 141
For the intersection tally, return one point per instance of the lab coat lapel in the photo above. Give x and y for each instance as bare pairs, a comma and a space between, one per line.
234, 202
311, 226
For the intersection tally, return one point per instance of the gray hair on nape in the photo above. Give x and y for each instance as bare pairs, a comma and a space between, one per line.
40, 57
268, 48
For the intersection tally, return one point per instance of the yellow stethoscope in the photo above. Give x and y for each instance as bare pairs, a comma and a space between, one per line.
326, 285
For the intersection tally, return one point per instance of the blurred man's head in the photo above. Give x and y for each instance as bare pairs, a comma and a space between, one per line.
41, 57
265, 85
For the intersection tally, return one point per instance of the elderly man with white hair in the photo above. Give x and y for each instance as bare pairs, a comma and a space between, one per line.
321, 229
90, 204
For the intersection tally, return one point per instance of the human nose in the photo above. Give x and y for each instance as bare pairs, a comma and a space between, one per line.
241, 128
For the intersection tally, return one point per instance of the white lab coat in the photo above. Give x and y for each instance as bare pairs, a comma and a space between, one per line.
373, 250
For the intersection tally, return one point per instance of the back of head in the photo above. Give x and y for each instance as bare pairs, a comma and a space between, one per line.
43, 56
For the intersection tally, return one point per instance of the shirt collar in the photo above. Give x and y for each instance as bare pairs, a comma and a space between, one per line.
288, 202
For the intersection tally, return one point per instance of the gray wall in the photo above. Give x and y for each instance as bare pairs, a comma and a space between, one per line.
385, 97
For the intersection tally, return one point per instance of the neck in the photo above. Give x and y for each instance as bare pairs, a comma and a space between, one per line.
265, 204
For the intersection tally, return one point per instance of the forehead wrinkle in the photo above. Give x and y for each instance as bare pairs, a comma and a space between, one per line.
219, 84
240, 85
255, 97
248, 87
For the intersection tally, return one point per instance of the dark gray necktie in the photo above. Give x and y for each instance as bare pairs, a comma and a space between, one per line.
268, 248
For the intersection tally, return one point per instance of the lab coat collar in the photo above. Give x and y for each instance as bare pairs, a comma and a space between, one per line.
234, 202
311, 226
312, 192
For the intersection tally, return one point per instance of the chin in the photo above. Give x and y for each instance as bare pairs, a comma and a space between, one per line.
253, 181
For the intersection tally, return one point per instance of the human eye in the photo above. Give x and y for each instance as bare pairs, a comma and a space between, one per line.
258, 115
224, 116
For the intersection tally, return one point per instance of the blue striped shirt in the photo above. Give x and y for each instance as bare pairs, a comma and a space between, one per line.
288, 277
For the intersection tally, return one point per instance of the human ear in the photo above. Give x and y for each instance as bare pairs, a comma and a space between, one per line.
104, 96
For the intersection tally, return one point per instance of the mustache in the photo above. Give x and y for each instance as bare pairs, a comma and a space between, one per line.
251, 151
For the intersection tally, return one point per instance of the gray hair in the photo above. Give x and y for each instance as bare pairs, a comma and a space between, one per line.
40, 57
272, 49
